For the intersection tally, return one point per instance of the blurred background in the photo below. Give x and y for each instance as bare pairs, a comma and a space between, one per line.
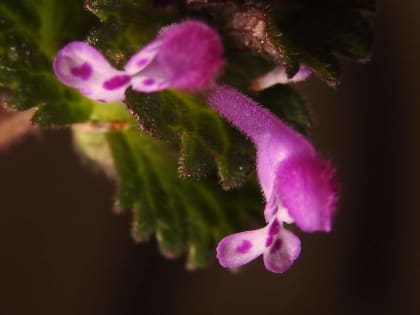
63, 250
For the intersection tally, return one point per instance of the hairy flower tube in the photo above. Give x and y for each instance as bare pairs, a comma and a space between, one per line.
166, 62
298, 185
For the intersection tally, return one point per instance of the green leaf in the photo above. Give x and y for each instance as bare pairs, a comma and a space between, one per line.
295, 32
185, 215
31, 33
315, 32
204, 139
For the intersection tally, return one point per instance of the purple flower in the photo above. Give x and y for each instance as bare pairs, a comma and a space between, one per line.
298, 185
166, 62
279, 76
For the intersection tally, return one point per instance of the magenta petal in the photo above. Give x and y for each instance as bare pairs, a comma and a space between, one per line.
301, 75
143, 58
151, 79
271, 208
306, 187
190, 55
283, 251
275, 144
274, 138
81, 66
238, 249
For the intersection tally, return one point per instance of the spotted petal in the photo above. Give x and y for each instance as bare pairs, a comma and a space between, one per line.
81, 66
143, 58
238, 249
282, 252
153, 78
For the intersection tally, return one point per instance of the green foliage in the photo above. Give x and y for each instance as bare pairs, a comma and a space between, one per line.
316, 32
285, 103
203, 138
296, 32
31, 33
158, 148
186, 215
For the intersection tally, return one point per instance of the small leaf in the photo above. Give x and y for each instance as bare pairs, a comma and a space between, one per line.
204, 138
185, 215
196, 159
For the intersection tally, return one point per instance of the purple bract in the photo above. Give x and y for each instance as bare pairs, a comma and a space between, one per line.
166, 62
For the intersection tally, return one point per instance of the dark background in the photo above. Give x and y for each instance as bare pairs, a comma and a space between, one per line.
63, 251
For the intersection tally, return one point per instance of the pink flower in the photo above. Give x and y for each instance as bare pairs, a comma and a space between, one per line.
298, 185
279, 76
166, 62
